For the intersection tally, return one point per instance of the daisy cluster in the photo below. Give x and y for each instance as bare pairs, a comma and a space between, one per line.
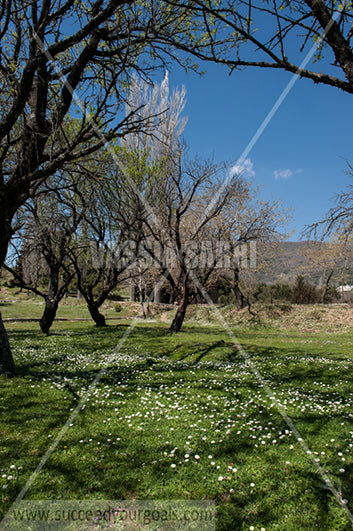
9, 476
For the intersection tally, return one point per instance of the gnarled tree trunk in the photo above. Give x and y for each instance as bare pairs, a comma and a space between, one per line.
239, 297
49, 314
97, 317
178, 320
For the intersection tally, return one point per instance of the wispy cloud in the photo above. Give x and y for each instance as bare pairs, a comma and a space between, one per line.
245, 169
285, 174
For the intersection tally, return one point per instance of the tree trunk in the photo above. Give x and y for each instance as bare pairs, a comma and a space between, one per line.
178, 320
7, 364
325, 288
49, 314
97, 317
143, 309
132, 293
52, 298
157, 294
141, 296
239, 297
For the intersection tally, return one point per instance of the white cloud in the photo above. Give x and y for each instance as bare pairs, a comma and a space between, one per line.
245, 169
282, 174
285, 174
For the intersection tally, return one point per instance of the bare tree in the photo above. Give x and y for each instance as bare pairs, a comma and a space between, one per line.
111, 228
161, 111
332, 250
49, 235
252, 220
339, 219
188, 251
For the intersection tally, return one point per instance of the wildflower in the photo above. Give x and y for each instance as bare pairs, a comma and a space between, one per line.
172, 465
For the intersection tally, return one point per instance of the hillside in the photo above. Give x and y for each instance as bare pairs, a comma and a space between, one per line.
286, 260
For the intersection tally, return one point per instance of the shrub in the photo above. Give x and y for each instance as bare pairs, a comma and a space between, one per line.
305, 293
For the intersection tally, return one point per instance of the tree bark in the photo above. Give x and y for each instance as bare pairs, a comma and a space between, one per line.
178, 320
157, 294
141, 295
97, 317
239, 297
132, 293
7, 364
49, 314
142, 309
326, 285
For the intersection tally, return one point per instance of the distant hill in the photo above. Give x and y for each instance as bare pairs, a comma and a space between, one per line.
284, 261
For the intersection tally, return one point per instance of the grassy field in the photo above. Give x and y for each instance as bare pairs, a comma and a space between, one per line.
184, 416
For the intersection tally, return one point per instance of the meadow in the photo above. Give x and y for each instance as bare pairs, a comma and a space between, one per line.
183, 416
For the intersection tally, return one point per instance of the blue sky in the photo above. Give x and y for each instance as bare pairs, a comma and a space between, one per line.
299, 158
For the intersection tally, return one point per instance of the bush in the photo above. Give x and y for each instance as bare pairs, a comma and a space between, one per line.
270, 293
305, 293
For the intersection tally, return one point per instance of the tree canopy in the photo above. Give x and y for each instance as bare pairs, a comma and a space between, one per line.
282, 34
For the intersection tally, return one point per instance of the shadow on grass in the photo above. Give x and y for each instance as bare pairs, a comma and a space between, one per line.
201, 354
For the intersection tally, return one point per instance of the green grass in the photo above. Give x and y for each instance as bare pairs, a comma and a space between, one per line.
187, 400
